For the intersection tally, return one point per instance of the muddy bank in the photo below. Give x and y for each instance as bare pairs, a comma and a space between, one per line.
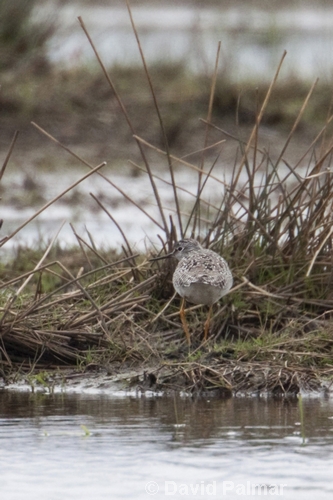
221, 379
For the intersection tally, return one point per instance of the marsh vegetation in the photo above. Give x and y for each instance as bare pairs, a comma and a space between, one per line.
113, 310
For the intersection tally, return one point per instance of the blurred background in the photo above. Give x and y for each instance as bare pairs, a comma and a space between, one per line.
49, 75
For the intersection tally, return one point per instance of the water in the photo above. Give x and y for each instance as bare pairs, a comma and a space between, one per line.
133, 221
79, 208
153, 447
253, 38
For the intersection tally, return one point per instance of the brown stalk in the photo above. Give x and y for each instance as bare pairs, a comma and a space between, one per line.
99, 173
24, 284
180, 188
124, 111
11, 147
178, 160
166, 143
117, 301
299, 116
81, 246
259, 118
37, 306
47, 205
196, 208
132, 262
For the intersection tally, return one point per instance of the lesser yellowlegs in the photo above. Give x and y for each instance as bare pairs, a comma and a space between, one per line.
201, 277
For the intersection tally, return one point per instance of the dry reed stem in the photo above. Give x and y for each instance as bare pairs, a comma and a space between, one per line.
37, 305
80, 242
279, 242
204, 149
84, 162
318, 251
180, 188
178, 160
11, 147
100, 204
165, 139
259, 118
298, 119
124, 111
47, 205
196, 207
21, 288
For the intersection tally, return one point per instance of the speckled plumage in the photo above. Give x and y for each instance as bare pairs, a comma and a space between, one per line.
202, 276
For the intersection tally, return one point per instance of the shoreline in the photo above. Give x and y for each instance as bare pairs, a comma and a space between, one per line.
164, 380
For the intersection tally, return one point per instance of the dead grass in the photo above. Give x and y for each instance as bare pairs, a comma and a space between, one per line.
273, 225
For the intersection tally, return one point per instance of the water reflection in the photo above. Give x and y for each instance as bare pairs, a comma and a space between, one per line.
170, 441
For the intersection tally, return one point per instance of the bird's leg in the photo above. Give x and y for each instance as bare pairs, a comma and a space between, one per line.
207, 323
184, 322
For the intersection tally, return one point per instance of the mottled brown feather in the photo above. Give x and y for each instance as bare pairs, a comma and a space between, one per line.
202, 276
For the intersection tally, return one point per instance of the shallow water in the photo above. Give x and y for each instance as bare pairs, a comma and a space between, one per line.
144, 447
253, 38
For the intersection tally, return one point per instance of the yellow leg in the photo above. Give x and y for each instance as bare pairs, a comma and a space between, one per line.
184, 322
207, 323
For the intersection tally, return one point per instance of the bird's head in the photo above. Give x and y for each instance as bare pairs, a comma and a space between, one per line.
181, 249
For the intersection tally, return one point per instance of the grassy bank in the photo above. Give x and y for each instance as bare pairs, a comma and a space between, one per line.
77, 106
103, 313
115, 311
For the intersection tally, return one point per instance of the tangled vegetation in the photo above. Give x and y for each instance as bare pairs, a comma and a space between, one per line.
114, 311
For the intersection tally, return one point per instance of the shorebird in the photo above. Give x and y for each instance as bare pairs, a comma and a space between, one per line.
201, 277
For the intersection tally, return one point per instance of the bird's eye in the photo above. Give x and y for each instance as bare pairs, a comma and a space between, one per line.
179, 249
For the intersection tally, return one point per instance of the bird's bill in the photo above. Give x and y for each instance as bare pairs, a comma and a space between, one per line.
167, 256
